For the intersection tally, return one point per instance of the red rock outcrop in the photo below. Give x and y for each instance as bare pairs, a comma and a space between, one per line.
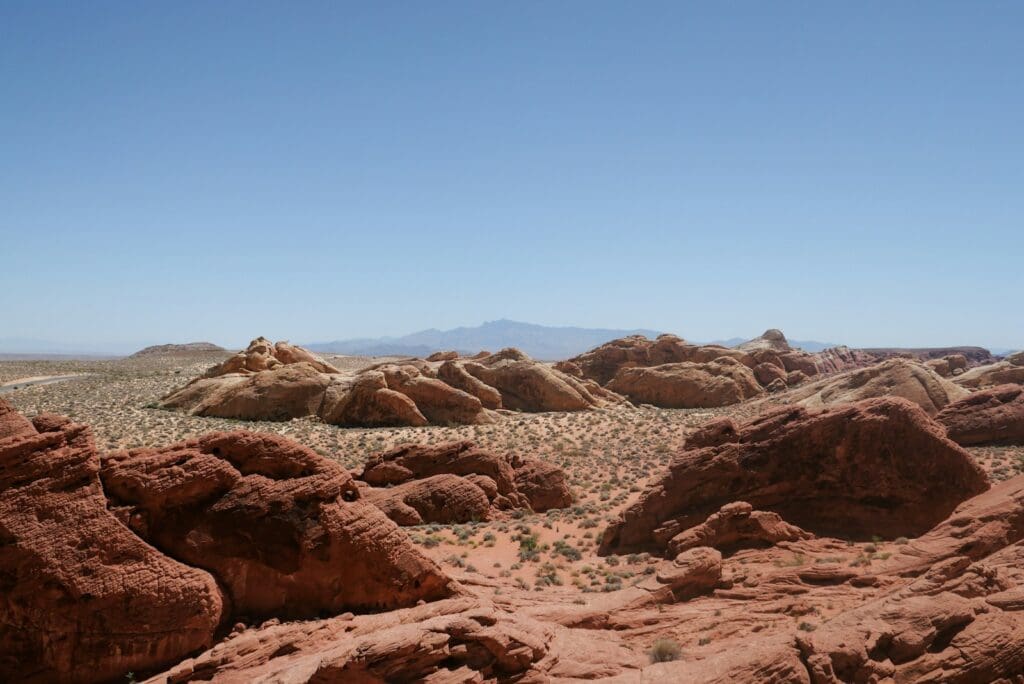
893, 378
456, 375
83, 599
442, 499
989, 416
281, 393
947, 366
438, 401
367, 401
488, 481
281, 527
735, 526
446, 642
542, 483
771, 339
878, 467
720, 382
601, 364
526, 385
1009, 370
263, 355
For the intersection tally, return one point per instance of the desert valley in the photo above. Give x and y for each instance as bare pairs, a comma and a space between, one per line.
647, 511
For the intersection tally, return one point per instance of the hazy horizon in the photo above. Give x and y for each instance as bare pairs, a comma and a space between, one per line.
16, 345
187, 171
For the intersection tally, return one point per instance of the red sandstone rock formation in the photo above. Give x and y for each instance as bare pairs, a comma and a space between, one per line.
281, 393
878, 467
893, 378
281, 527
720, 382
83, 599
475, 482
1009, 370
262, 355
735, 526
990, 416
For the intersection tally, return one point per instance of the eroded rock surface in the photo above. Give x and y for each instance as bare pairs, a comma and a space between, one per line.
83, 599
989, 416
877, 467
904, 378
458, 481
720, 382
282, 528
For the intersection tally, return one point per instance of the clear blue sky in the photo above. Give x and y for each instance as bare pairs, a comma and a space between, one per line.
851, 172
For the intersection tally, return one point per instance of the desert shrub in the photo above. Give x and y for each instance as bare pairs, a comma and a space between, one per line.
665, 650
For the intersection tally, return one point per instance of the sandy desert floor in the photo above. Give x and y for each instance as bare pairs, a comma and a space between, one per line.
608, 455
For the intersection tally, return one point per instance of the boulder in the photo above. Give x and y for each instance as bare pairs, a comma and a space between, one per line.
526, 385
542, 483
1009, 370
443, 356
989, 416
603, 363
772, 339
441, 403
721, 382
262, 355
898, 377
456, 375
83, 599
280, 527
947, 366
877, 467
506, 482
736, 526
767, 373
445, 499
281, 393
367, 401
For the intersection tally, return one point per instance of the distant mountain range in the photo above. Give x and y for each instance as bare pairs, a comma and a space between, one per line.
539, 341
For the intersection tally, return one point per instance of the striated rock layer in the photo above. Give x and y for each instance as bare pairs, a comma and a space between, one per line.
990, 416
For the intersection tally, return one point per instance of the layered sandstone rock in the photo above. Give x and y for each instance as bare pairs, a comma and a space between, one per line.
1009, 370
878, 467
720, 382
893, 378
281, 527
458, 482
989, 416
457, 640
771, 339
84, 599
737, 525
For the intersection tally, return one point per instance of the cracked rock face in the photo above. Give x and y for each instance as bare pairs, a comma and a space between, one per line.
282, 528
990, 416
457, 482
877, 467
83, 598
